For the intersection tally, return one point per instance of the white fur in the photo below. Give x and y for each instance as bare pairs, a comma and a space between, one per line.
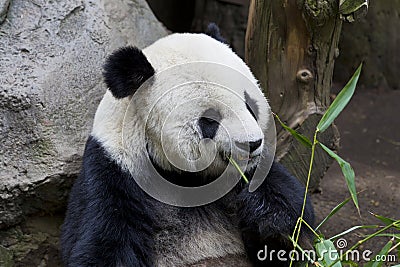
121, 125
167, 52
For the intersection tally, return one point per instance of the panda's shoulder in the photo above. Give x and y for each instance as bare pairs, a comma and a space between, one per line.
281, 178
101, 175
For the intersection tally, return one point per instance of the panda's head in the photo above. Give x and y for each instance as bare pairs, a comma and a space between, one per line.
189, 112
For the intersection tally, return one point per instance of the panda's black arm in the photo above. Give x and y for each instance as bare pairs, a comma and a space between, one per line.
269, 214
109, 220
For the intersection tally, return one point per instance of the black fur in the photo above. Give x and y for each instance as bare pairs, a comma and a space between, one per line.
126, 70
254, 145
214, 32
268, 215
209, 123
111, 222
251, 105
110, 219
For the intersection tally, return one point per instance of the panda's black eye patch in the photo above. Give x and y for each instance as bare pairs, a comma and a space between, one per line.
251, 105
209, 123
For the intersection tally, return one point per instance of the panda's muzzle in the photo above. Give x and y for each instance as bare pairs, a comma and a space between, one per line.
249, 146
244, 150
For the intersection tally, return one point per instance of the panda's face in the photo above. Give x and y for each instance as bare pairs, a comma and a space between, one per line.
191, 116
197, 128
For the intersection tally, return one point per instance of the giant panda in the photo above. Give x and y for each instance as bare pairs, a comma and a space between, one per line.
112, 221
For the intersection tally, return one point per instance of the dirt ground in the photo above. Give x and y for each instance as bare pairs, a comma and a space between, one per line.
370, 141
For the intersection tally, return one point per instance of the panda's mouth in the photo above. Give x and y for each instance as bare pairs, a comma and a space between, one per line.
227, 155
240, 153
184, 178
195, 179
250, 162
248, 159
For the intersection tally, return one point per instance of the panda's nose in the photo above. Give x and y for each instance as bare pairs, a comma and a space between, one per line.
252, 145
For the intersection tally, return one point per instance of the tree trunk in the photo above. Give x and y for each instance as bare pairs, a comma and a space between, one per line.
291, 46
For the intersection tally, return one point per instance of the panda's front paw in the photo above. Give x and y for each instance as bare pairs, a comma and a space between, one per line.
268, 215
274, 208
266, 221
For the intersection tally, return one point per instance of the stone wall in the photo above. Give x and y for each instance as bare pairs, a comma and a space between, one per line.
51, 56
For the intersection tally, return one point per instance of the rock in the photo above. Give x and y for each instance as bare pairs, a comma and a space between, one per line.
51, 56
4, 4
32, 243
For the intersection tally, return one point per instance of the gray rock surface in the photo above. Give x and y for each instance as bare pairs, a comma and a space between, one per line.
51, 56
4, 4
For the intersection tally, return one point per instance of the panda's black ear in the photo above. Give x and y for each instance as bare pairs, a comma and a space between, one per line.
214, 32
126, 70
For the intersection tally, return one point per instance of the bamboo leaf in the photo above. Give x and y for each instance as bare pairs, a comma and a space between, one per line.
396, 236
301, 138
349, 263
340, 102
333, 212
377, 261
348, 173
385, 220
327, 252
352, 229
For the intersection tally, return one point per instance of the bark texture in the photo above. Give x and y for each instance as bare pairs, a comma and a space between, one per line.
291, 47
